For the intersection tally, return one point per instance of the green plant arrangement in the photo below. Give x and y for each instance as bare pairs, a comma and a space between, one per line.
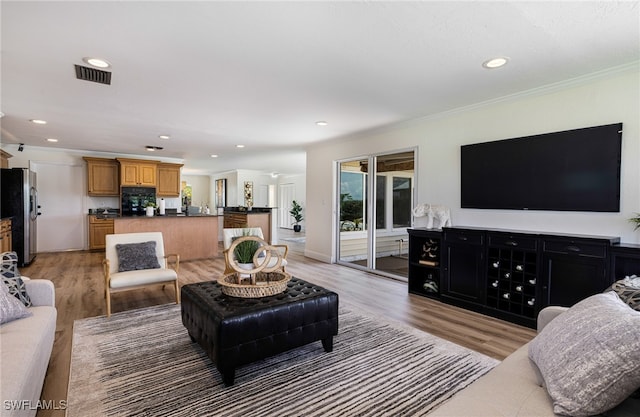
636, 220
245, 250
296, 213
150, 204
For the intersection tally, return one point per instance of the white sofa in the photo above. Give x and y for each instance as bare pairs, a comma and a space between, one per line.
25, 349
511, 389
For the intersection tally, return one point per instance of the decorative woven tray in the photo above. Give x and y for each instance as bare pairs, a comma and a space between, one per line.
267, 283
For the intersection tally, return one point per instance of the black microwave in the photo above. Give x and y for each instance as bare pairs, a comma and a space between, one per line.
135, 199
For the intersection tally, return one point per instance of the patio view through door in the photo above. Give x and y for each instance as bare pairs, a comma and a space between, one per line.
374, 211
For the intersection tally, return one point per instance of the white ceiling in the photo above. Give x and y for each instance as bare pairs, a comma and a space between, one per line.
216, 74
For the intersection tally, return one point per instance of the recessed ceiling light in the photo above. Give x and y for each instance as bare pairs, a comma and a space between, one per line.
38, 121
96, 62
239, 146
52, 140
154, 148
214, 155
321, 123
495, 62
164, 137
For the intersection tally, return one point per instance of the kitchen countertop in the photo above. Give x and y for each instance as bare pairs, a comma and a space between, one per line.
246, 212
118, 216
243, 210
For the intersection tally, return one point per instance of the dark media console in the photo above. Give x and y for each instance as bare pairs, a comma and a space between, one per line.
512, 274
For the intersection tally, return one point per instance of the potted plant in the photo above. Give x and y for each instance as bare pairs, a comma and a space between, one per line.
244, 252
636, 220
150, 206
296, 213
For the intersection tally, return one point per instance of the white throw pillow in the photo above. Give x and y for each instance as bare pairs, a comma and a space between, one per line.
589, 356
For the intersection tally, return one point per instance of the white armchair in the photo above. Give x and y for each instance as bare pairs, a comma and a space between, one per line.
136, 260
229, 235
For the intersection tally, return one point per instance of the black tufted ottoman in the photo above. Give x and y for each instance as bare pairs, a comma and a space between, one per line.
236, 331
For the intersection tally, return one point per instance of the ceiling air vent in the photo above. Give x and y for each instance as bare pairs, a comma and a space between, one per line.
92, 74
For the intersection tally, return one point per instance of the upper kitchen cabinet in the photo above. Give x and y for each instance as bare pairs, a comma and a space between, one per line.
168, 180
4, 158
138, 172
102, 177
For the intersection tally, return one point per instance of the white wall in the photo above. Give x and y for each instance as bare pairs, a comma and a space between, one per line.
235, 186
586, 102
200, 190
232, 192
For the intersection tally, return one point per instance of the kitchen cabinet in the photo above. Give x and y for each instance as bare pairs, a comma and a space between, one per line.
99, 227
5, 236
464, 266
102, 177
138, 172
4, 159
168, 180
233, 220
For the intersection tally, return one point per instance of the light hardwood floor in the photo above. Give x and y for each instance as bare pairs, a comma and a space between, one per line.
78, 279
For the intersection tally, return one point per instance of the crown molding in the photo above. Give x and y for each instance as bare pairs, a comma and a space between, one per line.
538, 91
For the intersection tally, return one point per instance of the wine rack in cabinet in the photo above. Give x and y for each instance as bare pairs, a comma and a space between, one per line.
424, 262
513, 274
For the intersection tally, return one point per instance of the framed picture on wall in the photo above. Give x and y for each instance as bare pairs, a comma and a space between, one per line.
221, 193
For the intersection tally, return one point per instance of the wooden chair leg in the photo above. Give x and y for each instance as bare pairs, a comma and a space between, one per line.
108, 299
177, 293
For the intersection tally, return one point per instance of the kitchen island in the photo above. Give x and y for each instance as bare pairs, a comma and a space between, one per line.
191, 237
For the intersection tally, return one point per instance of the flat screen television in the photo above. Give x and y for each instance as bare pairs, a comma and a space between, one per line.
573, 170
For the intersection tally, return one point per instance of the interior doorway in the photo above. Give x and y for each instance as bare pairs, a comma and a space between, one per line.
375, 197
62, 225
287, 194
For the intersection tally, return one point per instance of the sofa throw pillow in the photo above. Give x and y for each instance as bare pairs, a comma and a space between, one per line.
11, 277
628, 289
589, 356
10, 307
136, 256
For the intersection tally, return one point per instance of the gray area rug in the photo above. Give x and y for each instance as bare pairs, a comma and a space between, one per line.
294, 239
143, 363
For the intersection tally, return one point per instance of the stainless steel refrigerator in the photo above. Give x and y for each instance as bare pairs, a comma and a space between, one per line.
20, 202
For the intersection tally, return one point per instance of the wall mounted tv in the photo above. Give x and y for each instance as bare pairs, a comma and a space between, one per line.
574, 170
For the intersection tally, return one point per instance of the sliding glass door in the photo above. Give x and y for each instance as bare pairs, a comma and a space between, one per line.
375, 200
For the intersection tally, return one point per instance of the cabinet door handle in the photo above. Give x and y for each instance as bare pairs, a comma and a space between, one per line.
463, 238
511, 243
573, 249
